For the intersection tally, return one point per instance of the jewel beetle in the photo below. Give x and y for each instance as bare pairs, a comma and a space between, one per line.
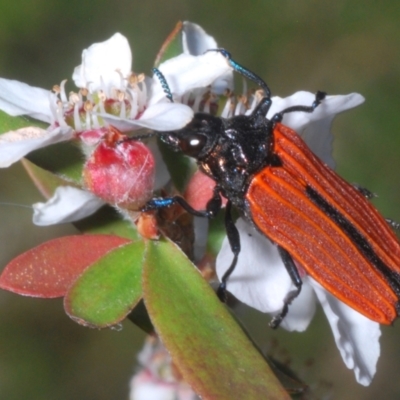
317, 219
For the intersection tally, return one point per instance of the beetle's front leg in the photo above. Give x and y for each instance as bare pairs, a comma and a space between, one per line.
212, 208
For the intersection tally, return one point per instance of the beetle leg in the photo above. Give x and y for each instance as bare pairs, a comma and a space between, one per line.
212, 207
364, 191
296, 279
370, 195
234, 242
394, 224
137, 137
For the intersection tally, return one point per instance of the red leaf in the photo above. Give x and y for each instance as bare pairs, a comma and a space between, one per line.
50, 269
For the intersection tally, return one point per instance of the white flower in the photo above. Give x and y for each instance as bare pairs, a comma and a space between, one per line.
260, 279
68, 204
103, 65
119, 96
14, 145
17, 98
142, 102
157, 377
109, 93
196, 42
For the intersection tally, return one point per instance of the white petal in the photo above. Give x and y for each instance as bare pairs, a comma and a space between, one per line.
195, 40
319, 138
156, 379
159, 117
260, 279
18, 98
144, 387
166, 116
186, 72
68, 204
162, 174
100, 63
315, 127
16, 144
302, 309
356, 336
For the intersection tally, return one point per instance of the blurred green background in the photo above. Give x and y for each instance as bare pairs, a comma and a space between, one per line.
336, 46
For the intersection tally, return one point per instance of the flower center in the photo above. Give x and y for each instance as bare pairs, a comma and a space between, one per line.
85, 109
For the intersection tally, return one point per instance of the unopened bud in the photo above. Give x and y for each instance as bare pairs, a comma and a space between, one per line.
120, 171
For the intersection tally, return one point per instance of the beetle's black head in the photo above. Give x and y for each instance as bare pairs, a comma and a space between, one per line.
197, 138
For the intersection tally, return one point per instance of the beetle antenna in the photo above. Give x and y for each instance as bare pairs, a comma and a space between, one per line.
164, 84
319, 96
244, 71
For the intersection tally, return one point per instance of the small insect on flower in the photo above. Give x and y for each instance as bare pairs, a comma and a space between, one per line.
318, 221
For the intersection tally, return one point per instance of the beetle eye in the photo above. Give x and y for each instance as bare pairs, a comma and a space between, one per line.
193, 144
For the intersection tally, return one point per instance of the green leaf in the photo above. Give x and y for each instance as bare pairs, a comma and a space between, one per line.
64, 159
44, 180
109, 289
210, 350
172, 45
10, 123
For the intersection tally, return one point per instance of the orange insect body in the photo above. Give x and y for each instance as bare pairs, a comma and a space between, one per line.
317, 220
328, 227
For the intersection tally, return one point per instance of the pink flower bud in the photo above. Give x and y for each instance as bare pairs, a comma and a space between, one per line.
200, 190
120, 171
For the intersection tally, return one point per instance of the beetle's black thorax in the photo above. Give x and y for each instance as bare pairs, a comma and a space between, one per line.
229, 150
242, 147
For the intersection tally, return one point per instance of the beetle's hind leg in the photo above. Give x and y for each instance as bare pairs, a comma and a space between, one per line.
370, 195
394, 224
296, 279
234, 241
364, 191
